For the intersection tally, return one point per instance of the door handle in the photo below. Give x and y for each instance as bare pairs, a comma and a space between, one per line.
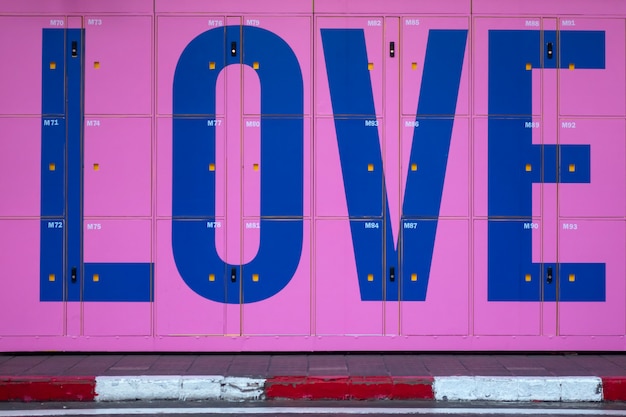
74, 49
550, 50
233, 275
392, 49
549, 277
74, 277
392, 274
233, 49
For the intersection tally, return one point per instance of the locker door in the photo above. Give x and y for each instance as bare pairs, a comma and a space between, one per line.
188, 71
32, 291
424, 44
117, 270
592, 67
38, 57
279, 67
357, 42
118, 65
117, 167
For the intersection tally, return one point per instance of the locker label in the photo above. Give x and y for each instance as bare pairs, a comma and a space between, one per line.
531, 125
253, 123
410, 225
253, 22
94, 22
213, 122
374, 23
93, 122
253, 225
412, 123
371, 123
531, 226
55, 225
372, 225
532, 23
56, 22
568, 125
213, 225
570, 226
569, 22
51, 122
411, 22
213, 22
94, 226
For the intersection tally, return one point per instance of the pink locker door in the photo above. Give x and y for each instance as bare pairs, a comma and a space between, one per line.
21, 79
174, 35
339, 307
372, 28
21, 165
287, 311
591, 294
23, 275
482, 27
118, 64
123, 241
117, 167
414, 52
583, 89
295, 32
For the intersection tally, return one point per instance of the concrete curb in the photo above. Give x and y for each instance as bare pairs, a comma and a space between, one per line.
216, 387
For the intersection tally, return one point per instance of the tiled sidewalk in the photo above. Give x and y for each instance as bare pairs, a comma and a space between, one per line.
319, 364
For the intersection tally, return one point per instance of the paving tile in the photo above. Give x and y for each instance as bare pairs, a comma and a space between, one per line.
54, 365
92, 365
19, 365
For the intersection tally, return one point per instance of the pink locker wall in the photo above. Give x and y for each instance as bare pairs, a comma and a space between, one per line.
128, 214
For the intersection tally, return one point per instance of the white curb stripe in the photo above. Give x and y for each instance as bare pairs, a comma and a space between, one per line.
112, 388
469, 388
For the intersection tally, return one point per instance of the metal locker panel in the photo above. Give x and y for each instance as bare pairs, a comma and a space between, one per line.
348, 152
348, 298
509, 167
117, 274
193, 48
279, 274
117, 167
277, 60
118, 64
276, 176
37, 45
591, 277
592, 69
435, 167
435, 277
22, 167
191, 171
592, 168
508, 277
200, 314
507, 54
435, 66
31, 300
350, 66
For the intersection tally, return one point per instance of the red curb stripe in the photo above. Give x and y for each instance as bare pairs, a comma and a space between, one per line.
46, 388
614, 388
349, 388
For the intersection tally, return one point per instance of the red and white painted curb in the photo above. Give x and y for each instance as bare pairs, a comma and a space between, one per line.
452, 388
